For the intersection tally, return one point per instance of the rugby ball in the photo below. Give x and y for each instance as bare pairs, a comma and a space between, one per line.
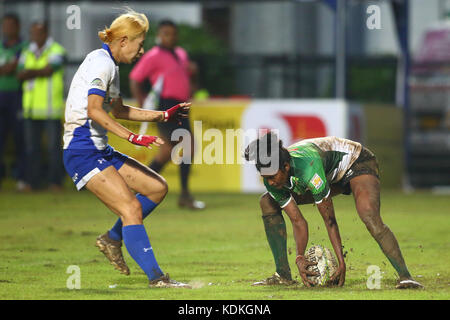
326, 264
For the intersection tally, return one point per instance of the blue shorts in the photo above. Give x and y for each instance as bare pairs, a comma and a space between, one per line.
83, 164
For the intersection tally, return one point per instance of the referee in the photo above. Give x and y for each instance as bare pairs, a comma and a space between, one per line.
167, 67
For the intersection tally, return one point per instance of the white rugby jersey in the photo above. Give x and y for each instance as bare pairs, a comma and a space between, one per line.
98, 74
351, 150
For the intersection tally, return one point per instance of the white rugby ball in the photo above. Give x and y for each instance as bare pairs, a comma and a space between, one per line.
326, 264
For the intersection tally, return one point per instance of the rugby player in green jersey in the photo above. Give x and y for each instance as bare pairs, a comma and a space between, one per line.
313, 171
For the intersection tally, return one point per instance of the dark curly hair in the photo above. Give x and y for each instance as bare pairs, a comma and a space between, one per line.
260, 151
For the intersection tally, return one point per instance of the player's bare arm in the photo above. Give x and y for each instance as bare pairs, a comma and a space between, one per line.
300, 231
100, 116
121, 111
299, 225
326, 210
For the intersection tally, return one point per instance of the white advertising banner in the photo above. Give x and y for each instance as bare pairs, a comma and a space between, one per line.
297, 120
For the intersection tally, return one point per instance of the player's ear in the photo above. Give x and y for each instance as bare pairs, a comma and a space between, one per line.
123, 41
287, 167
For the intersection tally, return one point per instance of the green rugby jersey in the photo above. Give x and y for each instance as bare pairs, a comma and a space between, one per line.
9, 82
315, 165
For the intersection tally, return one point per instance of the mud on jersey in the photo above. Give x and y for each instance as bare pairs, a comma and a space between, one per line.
315, 165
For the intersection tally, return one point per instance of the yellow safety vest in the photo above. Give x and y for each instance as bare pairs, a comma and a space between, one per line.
43, 96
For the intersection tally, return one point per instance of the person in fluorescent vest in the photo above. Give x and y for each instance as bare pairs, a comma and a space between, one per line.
41, 70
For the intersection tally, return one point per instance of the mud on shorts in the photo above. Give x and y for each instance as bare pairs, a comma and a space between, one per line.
366, 163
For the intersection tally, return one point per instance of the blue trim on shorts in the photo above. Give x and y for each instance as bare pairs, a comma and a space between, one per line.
83, 164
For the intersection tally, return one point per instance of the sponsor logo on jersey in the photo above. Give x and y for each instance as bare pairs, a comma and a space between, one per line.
316, 181
97, 82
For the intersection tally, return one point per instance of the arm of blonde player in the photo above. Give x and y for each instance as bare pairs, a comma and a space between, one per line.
96, 112
121, 111
99, 115
300, 231
176, 113
326, 210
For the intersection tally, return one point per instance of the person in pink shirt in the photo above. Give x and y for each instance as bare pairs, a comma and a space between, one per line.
168, 69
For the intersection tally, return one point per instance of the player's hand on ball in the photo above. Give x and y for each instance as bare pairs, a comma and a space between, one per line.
145, 141
302, 265
178, 112
339, 277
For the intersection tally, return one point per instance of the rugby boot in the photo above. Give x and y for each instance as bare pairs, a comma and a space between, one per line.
274, 280
187, 201
113, 252
408, 284
165, 282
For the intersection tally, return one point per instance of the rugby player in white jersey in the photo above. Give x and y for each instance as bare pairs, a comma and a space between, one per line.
112, 176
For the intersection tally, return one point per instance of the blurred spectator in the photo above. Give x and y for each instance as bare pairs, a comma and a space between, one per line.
167, 67
41, 70
11, 97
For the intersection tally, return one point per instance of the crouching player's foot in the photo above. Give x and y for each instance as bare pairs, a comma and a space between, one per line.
275, 279
165, 282
408, 284
113, 252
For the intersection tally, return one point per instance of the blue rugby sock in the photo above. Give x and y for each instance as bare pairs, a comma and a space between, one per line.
138, 245
147, 207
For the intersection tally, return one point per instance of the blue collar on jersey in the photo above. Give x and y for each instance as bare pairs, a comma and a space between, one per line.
106, 47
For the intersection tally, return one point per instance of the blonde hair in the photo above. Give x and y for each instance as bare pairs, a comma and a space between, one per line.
131, 24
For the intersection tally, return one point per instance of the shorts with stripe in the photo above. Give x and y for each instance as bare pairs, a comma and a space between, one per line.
365, 164
83, 164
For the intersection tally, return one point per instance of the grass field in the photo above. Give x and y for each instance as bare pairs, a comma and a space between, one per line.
221, 250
